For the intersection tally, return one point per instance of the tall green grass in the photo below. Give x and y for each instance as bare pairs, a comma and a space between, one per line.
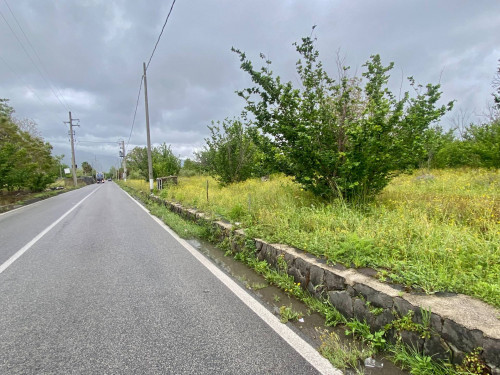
438, 230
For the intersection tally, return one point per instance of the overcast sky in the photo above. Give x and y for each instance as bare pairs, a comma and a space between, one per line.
89, 56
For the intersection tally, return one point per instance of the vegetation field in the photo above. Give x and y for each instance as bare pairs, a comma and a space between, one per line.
436, 230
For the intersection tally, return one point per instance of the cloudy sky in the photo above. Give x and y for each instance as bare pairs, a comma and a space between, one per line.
86, 56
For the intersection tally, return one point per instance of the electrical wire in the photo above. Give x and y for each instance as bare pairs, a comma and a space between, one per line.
21, 78
135, 111
31, 59
36, 54
161, 33
107, 142
147, 66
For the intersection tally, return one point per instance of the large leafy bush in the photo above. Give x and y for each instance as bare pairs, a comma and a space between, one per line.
342, 138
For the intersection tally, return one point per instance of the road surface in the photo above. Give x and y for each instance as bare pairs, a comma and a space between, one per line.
90, 283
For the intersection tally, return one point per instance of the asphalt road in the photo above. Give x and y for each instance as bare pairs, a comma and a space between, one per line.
90, 283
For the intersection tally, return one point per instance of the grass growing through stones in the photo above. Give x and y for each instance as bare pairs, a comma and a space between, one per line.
419, 364
343, 355
287, 314
437, 230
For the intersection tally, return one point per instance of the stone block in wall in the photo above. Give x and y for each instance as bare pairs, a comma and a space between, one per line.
361, 311
238, 240
334, 281
316, 281
191, 214
437, 348
296, 274
342, 302
436, 323
258, 244
375, 297
381, 320
412, 339
457, 356
262, 253
402, 306
462, 338
303, 266
491, 352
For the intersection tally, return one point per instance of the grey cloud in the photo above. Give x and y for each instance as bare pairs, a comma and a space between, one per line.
93, 51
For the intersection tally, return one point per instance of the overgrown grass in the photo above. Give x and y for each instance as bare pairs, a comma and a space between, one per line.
438, 230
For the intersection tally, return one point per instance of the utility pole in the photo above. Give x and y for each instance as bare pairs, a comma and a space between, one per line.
150, 163
124, 161
73, 165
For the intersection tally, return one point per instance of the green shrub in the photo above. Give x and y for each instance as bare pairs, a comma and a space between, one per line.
340, 138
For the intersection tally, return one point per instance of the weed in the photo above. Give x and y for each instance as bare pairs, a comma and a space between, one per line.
287, 314
374, 310
417, 363
357, 329
276, 298
406, 323
343, 355
473, 364
257, 286
361, 330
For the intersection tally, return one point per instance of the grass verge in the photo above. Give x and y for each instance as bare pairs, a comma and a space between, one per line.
433, 230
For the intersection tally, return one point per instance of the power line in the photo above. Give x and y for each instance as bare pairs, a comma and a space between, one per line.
36, 53
21, 78
159, 37
31, 59
108, 142
135, 112
142, 79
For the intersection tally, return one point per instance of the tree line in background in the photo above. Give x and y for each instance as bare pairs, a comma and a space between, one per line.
341, 138
26, 160
165, 163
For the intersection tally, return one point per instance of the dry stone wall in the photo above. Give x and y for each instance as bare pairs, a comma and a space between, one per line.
458, 323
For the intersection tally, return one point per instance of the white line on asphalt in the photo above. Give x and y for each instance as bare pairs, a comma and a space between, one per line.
26, 247
310, 354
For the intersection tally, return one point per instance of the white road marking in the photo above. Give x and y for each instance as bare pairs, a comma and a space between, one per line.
310, 354
26, 247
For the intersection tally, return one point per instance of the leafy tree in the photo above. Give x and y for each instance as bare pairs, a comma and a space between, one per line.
434, 138
496, 86
5, 109
87, 168
137, 163
340, 138
29, 126
484, 143
165, 163
111, 173
25, 161
230, 154
190, 168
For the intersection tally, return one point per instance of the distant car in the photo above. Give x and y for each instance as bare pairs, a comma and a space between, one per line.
109, 179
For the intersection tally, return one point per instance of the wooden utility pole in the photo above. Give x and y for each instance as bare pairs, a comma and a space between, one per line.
124, 161
150, 162
73, 165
